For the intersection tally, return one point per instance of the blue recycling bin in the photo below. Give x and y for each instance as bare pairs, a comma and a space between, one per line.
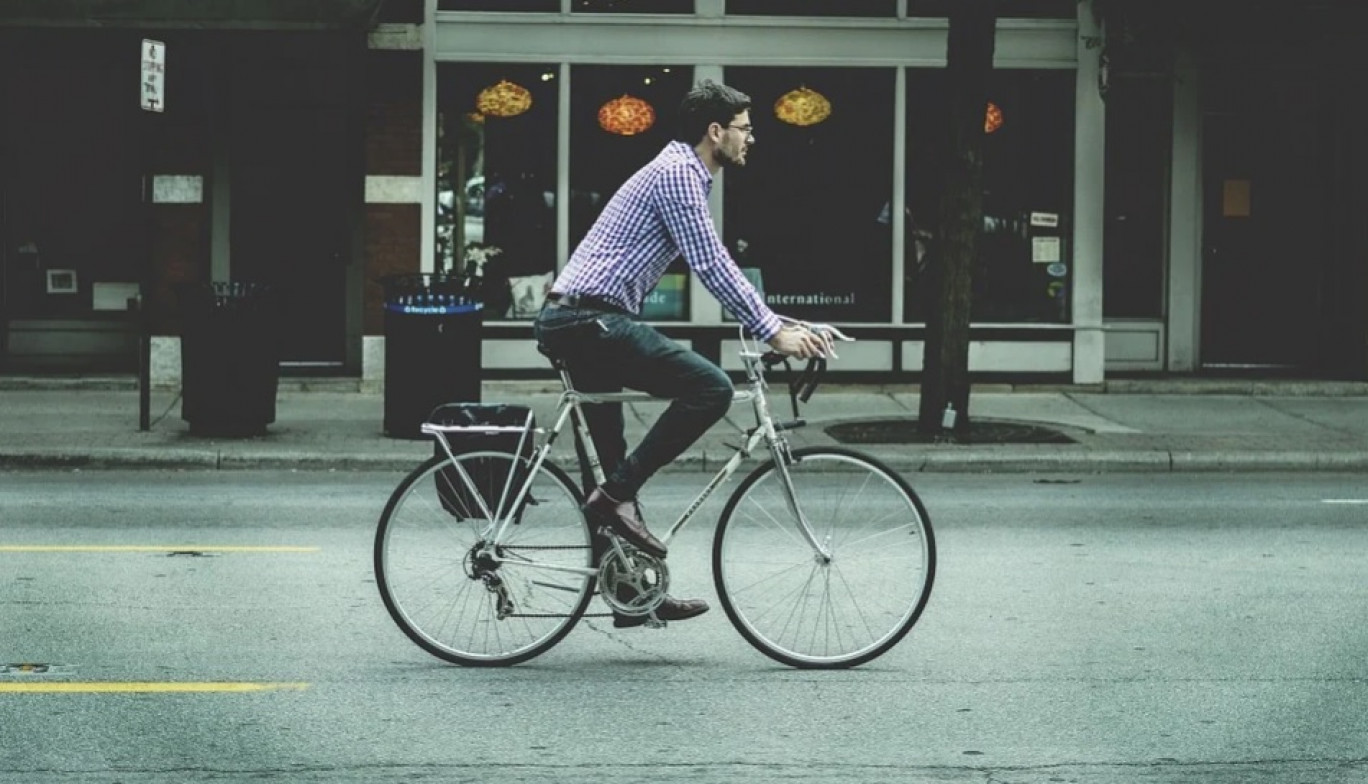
432, 348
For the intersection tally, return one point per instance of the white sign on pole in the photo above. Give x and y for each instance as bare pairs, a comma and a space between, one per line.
153, 90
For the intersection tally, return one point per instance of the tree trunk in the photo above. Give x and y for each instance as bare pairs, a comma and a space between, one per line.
945, 377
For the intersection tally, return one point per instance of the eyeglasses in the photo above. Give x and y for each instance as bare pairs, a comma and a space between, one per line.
748, 130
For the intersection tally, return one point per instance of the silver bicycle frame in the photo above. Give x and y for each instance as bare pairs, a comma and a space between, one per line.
571, 400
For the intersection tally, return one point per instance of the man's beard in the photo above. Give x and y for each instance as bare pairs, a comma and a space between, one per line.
730, 162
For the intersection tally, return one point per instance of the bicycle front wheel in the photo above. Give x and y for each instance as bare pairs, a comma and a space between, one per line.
806, 610
465, 598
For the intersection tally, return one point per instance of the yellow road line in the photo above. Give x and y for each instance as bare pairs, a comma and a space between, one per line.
140, 548
143, 687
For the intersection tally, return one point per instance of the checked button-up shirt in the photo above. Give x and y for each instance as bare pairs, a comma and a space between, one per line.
661, 212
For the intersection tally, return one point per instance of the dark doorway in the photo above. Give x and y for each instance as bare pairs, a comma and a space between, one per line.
1266, 257
292, 180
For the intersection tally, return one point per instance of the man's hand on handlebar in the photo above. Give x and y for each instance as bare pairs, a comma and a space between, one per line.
800, 342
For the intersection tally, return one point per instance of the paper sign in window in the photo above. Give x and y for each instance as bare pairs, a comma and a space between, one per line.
177, 189
1044, 250
1235, 199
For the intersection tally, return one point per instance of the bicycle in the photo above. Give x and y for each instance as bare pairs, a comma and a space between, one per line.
485, 557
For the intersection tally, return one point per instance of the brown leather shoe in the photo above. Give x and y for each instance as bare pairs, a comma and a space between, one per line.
620, 516
669, 610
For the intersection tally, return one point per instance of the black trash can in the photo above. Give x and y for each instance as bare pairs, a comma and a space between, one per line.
432, 348
230, 363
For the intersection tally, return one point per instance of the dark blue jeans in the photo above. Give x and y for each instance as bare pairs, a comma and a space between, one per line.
607, 352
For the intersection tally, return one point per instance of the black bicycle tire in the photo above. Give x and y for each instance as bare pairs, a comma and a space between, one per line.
778, 655
422, 642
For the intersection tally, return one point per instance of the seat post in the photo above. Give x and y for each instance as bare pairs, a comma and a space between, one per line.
564, 377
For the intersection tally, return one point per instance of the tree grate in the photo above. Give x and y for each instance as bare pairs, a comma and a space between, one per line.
904, 431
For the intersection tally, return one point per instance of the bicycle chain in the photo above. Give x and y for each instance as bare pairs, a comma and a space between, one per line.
561, 615
553, 547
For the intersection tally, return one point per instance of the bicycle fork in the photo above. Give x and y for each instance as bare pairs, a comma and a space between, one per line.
783, 458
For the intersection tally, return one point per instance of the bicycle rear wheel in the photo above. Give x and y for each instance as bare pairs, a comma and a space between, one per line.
806, 611
464, 606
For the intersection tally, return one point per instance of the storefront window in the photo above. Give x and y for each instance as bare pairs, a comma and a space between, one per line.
813, 7
1024, 271
496, 179
1139, 137
73, 232
1007, 9
545, 6
577, 6
809, 209
632, 6
620, 118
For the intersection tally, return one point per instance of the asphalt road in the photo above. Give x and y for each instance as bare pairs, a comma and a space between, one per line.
224, 626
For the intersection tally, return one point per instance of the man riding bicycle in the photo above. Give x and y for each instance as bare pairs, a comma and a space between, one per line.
590, 321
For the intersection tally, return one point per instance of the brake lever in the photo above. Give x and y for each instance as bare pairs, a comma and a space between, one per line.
812, 375
772, 359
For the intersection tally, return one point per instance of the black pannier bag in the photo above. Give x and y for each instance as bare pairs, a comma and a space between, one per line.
490, 475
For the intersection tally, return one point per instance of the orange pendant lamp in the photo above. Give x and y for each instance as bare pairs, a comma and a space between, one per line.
626, 116
993, 120
802, 107
504, 99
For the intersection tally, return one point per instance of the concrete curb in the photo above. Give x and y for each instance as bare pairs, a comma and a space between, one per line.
104, 458
1270, 461
967, 460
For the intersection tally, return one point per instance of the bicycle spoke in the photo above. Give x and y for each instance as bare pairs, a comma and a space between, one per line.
743, 590
435, 565
859, 608
842, 611
774, 524
871, 537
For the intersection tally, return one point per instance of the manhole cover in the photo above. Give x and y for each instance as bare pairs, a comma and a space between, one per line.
33, 668
904, 431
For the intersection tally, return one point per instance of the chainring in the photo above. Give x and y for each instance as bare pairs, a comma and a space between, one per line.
632, 582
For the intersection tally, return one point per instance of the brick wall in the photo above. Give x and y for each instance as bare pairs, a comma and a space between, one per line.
180, 232
394, 113
391, 248
394, 149
180, 255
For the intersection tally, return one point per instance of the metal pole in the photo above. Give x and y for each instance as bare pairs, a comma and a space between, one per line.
144, 364
152, 103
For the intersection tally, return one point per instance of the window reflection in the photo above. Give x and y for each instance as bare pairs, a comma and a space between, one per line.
623, 98
496, 180
809, 208
1139, 137
1024, 271
577, 6
632, 6
1007, 9
813, 7
547, 6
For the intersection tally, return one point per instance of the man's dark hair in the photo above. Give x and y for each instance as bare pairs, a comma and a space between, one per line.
706, 104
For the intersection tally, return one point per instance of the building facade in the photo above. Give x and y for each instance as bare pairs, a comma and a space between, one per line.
1163, 193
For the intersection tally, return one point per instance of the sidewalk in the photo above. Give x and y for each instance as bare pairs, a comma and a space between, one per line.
1183, 425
